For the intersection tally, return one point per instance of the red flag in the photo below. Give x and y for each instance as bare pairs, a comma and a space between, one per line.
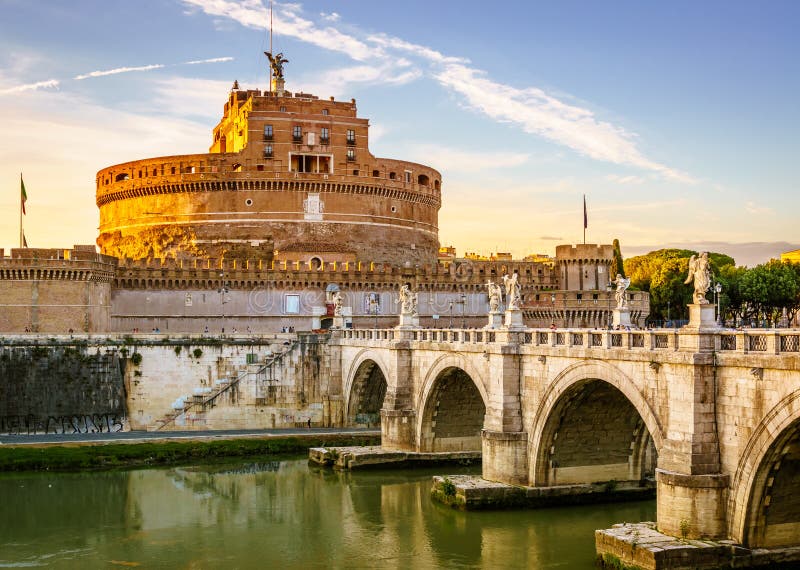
22, 196
585, 217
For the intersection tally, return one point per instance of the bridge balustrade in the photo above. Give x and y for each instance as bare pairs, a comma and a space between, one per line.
761, 341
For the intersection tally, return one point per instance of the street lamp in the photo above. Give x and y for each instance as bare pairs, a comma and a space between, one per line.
223, 290
668, 304
609, 289
717, 291
553, 300
463, 303
450, 326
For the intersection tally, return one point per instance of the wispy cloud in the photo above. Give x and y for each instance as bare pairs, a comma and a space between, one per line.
49, 84
634, 180
332, 17
754, 208
212, 60
531, 108
117, 70
551, 238
458, 160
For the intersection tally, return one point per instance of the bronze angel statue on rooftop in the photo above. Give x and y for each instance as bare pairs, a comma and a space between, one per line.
276, 63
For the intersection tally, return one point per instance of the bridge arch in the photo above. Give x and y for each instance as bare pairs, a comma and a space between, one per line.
764, 507
365, 388
593, 424
452, 406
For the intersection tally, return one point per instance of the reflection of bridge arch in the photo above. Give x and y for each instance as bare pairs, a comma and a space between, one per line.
593, 424
365, 389
764, 505
453, 405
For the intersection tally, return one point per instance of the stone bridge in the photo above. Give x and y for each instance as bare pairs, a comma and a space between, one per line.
713, 415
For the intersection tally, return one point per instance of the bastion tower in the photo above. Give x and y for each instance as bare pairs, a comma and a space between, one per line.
289, 175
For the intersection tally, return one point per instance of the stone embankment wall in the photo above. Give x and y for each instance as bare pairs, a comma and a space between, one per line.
60, 387
88, 384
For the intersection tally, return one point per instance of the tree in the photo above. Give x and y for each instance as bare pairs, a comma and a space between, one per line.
617, 266
770, 288
662, 273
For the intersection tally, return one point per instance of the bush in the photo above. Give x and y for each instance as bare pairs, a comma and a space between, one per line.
136, 358
198, 352
178, 350
448, 487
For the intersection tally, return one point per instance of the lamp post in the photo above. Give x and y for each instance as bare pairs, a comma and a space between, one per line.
667, 311
450, 326
223, 290
717, 291
609, 289
553, 301
463, 303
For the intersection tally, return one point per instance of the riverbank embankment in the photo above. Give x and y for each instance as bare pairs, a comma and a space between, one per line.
152, 452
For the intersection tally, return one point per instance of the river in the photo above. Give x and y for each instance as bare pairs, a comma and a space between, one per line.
281, 514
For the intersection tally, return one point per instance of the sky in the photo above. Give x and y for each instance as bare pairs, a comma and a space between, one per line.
677, 120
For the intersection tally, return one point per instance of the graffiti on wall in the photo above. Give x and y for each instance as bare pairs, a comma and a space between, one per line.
88, 423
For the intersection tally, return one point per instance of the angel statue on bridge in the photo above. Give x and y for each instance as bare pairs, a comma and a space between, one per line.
276, 63
408, 301
513, 293
700, 272
622, 285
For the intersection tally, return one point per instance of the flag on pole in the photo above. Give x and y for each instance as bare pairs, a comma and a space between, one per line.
585, 217
22, 196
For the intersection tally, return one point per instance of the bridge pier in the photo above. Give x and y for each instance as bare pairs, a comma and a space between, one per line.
398, 430
691, 506
505, 456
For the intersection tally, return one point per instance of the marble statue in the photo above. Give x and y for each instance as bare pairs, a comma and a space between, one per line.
513, 294
408, 301
337, 304
701, 274
494, 292
622, 286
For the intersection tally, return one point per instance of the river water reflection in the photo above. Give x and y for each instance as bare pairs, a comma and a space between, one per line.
280, 515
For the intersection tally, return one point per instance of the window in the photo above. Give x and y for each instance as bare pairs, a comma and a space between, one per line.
351, 155
283, 109
392, 176
297, 133
408, 176
351, 136
268, 151
267, 132
154, 172
325, 112
324, 135
291, 304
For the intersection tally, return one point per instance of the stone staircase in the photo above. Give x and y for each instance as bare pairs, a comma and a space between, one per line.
206, 396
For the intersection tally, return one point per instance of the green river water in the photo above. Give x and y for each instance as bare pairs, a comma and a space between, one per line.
281, 514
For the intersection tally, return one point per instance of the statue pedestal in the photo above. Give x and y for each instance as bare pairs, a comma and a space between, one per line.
495, 320
316, 317
513, 319
621, 317
408, 321
702, 316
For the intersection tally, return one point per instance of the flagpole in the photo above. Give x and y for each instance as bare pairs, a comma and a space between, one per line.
21, 234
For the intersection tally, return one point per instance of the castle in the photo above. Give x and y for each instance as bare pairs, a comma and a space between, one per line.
287, 208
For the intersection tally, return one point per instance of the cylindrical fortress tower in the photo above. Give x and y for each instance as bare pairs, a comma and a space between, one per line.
284, 173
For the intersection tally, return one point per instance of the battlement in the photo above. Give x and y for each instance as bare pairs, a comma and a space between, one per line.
585, 252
